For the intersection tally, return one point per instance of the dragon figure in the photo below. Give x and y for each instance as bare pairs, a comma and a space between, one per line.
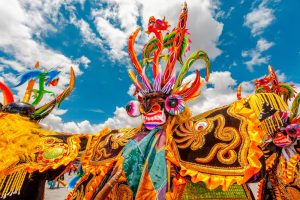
30, 155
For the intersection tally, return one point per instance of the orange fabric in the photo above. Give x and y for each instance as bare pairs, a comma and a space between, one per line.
146, 189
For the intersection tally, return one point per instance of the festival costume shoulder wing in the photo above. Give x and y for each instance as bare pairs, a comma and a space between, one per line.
34, 149
103, 151
220, 146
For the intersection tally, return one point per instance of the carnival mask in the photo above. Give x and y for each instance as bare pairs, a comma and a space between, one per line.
155, 108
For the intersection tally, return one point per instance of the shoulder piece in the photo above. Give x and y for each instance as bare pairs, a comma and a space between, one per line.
219, 147
105, 147
103, 151
26, 146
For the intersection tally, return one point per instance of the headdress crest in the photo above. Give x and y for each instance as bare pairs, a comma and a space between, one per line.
177, 43
28, 109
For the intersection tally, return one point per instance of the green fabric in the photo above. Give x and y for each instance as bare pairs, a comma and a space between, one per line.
199, 191
142, 156
157, 168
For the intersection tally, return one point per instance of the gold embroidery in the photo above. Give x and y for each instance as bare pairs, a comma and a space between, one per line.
111, 141
250, 135
288, 170
121, 138
191, 136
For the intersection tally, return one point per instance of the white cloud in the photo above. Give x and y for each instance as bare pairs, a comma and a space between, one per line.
120, 18
19, 23
263, 45
115, 37
85, 61
255, 55
131, 90
233, 64
259, 18
224, 15
119, 120
22, 23
87, 33
97, 110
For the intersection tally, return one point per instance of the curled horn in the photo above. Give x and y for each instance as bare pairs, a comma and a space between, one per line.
239, 92
132, 54
8, 96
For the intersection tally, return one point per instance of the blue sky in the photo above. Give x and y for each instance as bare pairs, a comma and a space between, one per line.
241, 38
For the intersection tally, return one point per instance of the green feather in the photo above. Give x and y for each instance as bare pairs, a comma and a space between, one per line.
185, 44
151, 46
289, 88
295, 106
188, 63
260, 90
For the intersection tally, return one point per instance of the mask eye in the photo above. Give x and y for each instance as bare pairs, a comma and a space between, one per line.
133, 109
174, 104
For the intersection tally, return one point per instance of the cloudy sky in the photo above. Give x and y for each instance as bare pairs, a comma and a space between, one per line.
240, 37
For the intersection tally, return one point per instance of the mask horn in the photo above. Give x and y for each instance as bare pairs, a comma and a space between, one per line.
7, 94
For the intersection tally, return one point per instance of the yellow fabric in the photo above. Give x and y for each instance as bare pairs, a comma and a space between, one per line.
256, 135
289, 169
179, 184
21, 139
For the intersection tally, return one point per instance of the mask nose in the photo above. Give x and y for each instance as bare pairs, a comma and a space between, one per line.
155, 107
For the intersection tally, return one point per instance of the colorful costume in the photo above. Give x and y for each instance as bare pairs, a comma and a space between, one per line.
171, 149
281, 144
31, 155
172, 155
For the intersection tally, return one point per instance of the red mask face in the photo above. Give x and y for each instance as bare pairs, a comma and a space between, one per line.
152, 109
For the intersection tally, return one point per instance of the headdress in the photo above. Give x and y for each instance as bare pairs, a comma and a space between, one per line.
177, 43
28, 109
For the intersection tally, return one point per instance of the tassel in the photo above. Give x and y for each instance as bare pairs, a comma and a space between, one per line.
12, 184
258, 104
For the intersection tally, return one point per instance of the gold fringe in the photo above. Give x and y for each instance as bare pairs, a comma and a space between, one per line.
256, 102
12, 183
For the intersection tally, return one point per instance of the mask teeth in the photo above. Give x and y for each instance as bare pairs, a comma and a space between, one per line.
169, 85
157, 82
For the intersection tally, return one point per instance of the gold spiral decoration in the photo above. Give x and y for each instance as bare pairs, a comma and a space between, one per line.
225, 152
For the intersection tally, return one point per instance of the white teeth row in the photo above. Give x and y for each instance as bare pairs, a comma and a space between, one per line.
153, 118
156, 117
